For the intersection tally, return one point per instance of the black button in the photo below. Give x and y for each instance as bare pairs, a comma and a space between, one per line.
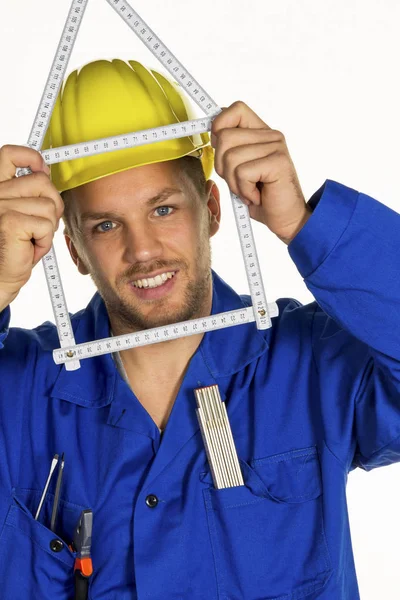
56, 545
151, 500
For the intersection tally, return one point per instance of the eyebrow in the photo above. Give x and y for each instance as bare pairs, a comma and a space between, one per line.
94, 216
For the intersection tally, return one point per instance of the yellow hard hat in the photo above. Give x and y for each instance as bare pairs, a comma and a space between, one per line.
111, 97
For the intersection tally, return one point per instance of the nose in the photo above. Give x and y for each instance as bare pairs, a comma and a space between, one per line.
142, 244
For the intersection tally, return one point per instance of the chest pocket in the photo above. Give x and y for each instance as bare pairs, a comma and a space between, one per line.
29, 568
267, 536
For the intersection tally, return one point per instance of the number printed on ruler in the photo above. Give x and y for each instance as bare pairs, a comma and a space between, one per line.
127, 140
35, 141
195, 91
56, 74
165, 56
207, 104
164, 333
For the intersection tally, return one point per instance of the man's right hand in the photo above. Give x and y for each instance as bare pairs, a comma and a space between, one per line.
30, 211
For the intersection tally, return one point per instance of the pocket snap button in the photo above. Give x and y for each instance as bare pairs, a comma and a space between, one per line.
56, 545
151, 500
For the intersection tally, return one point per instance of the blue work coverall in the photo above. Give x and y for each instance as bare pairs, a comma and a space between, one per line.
310, 399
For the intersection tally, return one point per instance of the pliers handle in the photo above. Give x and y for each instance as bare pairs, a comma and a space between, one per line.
81, 586
82, 542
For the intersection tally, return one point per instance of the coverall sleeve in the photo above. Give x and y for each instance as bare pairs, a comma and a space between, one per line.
348, 254
4, 325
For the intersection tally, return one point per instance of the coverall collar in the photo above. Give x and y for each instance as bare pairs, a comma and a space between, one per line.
223, 351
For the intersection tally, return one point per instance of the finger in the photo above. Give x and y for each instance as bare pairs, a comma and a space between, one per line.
19, 230
12, 157
236, 136
230, 139
37, 184
235, 157
237, 115
43, 236
34, 207
254, 172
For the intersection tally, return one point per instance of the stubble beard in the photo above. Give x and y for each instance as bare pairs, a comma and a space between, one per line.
128, 318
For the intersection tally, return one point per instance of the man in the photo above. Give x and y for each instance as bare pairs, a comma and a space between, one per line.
308, 400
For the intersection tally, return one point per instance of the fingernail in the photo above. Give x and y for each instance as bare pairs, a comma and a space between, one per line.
46, 168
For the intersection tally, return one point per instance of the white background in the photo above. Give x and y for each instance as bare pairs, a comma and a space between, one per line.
323, 72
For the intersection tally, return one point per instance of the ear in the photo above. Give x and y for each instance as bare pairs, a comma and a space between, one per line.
213, 206
75, 256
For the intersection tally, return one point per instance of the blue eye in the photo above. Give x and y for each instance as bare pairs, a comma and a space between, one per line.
163, 208
101, 226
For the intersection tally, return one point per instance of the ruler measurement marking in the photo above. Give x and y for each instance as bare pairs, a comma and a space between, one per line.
35, 141
164, 55
158, 334
58, 68
126, 140
259, 309
205, 102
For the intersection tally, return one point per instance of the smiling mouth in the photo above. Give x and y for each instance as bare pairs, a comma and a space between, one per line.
153, 282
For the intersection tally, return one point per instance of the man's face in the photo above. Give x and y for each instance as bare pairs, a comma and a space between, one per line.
144, 238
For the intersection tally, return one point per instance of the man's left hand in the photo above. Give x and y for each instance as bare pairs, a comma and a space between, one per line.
255, 162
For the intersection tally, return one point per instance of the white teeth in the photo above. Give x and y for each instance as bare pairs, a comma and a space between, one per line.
152, 282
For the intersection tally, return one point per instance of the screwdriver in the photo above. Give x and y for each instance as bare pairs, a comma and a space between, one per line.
57, 494
54, 463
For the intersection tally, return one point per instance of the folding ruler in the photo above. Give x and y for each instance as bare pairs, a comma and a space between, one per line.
69, 352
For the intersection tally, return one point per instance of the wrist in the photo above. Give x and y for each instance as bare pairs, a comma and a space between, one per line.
6, 299
291, 234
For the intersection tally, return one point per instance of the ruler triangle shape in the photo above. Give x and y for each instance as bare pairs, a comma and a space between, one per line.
261, 312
